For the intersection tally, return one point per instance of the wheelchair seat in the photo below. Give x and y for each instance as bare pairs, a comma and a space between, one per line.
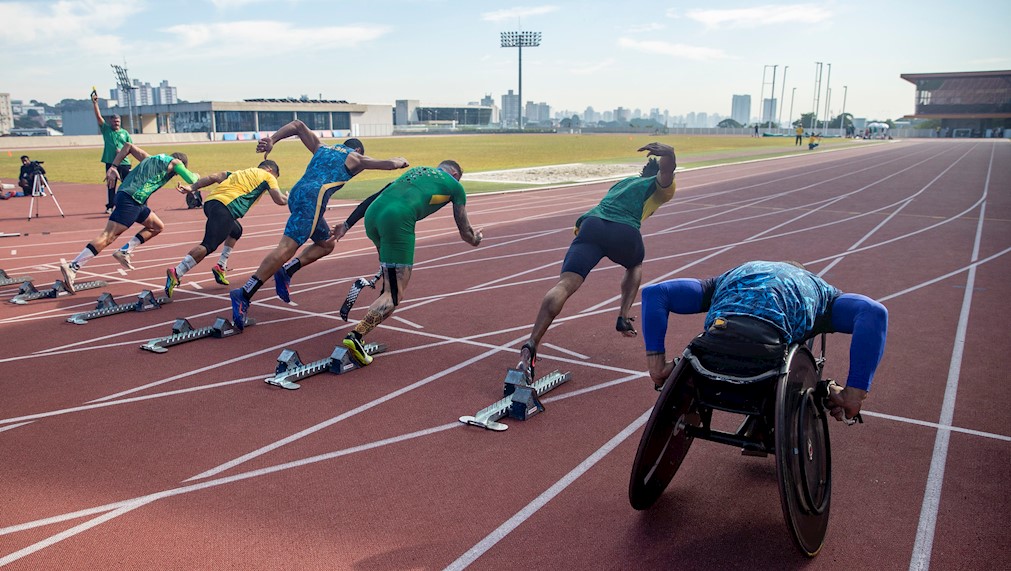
743, 367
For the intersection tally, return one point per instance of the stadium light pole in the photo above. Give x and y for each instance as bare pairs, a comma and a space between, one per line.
842, 120
520, 40
817, 94
828, 94
782, 94
793, 93
123, 82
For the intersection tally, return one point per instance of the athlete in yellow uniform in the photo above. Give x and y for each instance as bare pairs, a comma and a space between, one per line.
235, 194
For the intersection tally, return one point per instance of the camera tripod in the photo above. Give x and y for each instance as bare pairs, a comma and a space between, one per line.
39, 187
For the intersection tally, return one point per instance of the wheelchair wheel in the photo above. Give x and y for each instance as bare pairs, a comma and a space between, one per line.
803, 454
665, 440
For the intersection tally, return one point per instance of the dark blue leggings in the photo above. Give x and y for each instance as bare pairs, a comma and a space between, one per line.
858, 315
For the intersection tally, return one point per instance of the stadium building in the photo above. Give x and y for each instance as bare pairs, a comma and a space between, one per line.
410, 112
244, 120
967, 104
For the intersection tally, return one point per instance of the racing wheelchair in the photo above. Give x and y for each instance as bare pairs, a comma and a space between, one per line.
779, 391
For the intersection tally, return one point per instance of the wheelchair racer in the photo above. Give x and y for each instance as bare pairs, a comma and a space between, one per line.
793, 301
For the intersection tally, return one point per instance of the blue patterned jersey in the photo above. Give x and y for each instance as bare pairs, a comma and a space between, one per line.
326, 172
789, 298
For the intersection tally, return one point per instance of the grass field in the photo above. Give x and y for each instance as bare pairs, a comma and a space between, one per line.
475, 153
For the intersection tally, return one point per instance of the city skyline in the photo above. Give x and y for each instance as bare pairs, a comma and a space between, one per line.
684, 58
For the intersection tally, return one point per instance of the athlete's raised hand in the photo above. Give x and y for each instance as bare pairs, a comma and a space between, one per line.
265, 145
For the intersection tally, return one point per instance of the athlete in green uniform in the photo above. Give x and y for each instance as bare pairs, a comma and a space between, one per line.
389, 223
153, 172
609, 229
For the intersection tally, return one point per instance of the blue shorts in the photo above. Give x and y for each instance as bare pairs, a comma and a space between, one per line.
621, 243
127, 211
306, 220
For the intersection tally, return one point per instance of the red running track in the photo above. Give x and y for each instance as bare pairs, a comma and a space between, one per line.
115, 458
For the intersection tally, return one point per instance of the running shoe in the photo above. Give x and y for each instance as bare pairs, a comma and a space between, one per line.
281, 281
219, 274
357, 349
240, 308
171, 281
69, 275
123, 258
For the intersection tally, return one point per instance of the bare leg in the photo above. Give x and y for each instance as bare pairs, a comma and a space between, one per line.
315, 251
383, 306
629, 287
152, 227
551, 306
108, 236
285, 249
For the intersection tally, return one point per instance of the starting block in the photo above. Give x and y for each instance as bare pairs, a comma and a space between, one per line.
107, 306
290, 368
521, 400
183, 332
27, 291
6, 280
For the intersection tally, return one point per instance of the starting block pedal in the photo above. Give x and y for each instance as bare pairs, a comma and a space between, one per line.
107, 306
6, 280
521, 400
27, 292
290, 368
183, 332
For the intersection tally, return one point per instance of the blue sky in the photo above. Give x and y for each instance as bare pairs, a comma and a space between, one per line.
681, 56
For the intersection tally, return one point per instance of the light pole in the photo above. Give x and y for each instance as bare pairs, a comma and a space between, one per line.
782, 93
842, 121
123, 82
520, 40
789, 119
828, 93
817, 94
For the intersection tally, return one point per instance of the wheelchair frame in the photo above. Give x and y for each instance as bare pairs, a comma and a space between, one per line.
784, 415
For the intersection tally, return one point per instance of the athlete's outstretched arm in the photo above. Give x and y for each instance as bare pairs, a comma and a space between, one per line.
356, 163
684, 296
296, 127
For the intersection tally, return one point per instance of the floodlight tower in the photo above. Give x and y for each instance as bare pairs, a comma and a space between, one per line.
123, 82
521, 40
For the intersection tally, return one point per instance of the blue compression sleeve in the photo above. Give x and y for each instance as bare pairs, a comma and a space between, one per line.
682, 296
867, 320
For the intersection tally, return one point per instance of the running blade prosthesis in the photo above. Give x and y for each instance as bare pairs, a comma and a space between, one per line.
356, 289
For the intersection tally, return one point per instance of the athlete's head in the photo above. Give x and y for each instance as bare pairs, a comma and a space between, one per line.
651, 167
356, 145
452, 167
271, 167
182, 157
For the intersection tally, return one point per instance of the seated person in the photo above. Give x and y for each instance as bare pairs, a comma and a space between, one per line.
794, 302
25, 178
812, 142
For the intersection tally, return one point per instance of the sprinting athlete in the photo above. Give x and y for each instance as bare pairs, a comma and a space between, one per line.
609, 229
389, 222
326, 173
235, 194
153, 172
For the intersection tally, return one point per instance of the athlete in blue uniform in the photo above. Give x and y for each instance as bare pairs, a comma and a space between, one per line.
783, 295
326, 173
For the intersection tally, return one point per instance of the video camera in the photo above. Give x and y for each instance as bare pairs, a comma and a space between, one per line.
35, 168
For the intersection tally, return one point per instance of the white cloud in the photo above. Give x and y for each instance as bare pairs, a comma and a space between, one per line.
768, 15
651, 27
593, 68
235, 38
84, 23
518, 12
679, 51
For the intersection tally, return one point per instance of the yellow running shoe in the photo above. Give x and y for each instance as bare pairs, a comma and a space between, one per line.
219, 274
357, 349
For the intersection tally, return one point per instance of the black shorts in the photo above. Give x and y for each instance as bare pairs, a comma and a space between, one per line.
220, 225
621, 243
127, 211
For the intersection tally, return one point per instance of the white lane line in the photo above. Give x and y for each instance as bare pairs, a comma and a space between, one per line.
66, 534
566, 351
924, 545
411, 323
3, 428
936, 426
540, 501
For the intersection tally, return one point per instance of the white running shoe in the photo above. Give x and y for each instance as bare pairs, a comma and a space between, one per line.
69, 275
123, 258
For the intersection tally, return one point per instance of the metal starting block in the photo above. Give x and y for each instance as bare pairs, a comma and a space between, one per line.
520, 402
183, 332
27, 291
107, 306
290, 368
6, 280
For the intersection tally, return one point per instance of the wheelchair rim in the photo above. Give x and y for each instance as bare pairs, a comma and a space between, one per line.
815, 466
